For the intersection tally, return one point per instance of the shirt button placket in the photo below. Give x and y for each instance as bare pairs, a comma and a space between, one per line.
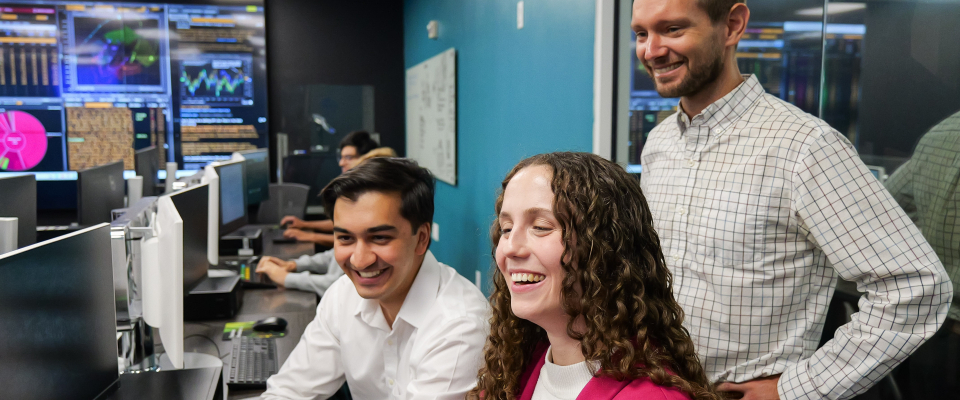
391, 357
683, 207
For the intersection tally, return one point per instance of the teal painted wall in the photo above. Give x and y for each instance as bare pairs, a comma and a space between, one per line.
519, 93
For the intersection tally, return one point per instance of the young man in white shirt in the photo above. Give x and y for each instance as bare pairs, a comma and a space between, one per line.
398, 325
759, 206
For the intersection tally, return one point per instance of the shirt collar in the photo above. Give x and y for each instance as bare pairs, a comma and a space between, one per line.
416, 307
727, 110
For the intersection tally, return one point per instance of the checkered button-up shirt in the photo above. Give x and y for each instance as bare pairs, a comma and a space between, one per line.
759, 206
928, 188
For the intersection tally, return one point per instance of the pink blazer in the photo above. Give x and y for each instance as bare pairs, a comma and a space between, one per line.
600, 388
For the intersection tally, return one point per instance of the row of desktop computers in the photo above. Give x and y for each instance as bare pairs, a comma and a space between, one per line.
65, 301
102, 189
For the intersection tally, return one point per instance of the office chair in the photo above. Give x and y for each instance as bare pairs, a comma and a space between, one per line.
285, 199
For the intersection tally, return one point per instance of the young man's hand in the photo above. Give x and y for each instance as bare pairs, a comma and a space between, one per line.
757, 389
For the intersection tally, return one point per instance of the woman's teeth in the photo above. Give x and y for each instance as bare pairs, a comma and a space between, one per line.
370, 274
527, 278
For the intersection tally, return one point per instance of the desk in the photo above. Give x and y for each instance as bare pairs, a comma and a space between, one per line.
298, 308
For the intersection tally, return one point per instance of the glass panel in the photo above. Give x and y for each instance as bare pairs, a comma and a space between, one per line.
782, 47
893, 87
315, 119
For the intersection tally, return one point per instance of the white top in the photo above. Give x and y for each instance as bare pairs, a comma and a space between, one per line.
759, 206
561, 383
433, 351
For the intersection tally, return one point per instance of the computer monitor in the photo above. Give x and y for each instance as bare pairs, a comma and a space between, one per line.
19, 199
161, 272
878, 172
99, 190
257, 169
233, 196
191, 204
147, 162
59, 318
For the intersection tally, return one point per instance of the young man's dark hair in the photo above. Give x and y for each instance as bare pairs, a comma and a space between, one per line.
717, 9
392, 175
361, 140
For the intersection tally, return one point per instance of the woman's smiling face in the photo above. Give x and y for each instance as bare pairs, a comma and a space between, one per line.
531, 247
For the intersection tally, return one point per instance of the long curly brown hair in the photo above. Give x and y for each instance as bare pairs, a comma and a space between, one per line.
633, 323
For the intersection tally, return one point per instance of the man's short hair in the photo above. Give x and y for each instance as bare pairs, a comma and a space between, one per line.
414, 183
361, 140
718, 10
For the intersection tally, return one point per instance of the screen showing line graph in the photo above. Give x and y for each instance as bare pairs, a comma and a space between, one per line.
216, 82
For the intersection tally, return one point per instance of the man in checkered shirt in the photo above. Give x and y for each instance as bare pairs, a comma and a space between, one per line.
759, 206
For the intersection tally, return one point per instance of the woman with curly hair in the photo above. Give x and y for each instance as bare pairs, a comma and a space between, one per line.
583, 306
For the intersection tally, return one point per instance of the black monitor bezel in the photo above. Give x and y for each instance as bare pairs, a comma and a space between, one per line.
227, 228
98, 200
187, 283
265, 194
23, 206
150, 177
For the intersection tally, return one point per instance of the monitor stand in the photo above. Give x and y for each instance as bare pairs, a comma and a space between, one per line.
245, 242
192, 361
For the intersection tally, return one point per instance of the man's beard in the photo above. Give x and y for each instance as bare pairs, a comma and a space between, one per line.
696, 79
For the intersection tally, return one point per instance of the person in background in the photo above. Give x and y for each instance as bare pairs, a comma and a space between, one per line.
399, 324
927, 186
759, 206
582, 304
317, 272
356, 147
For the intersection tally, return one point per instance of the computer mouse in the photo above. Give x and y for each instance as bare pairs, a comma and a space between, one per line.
275, 324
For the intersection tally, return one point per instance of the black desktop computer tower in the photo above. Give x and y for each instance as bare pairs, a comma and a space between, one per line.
213, 298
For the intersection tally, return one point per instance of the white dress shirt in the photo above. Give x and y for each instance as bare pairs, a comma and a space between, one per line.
759, 206
433, 351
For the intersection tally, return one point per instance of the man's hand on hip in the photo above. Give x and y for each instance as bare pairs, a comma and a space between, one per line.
757, 389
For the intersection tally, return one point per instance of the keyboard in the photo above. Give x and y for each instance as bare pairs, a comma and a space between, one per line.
252, 361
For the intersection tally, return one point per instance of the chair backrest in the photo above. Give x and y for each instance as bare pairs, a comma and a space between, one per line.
285, 199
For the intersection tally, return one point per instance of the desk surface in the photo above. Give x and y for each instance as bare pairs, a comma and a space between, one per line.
298, 308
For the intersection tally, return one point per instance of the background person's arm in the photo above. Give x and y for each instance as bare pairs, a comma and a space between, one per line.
900, 185
325, 239
309, 282
868, 239
315, 273
296, 223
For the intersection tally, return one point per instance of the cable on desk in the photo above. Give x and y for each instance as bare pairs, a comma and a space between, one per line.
209, 340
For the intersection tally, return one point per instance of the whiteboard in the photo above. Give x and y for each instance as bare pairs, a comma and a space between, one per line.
432, 115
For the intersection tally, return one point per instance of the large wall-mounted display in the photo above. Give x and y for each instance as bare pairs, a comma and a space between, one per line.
83, 84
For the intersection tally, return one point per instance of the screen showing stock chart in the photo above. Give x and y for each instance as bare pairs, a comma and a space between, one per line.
86, 83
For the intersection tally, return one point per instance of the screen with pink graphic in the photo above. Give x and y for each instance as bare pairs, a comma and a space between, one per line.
23, 141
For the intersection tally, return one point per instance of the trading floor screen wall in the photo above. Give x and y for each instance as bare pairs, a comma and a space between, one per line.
86, 83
